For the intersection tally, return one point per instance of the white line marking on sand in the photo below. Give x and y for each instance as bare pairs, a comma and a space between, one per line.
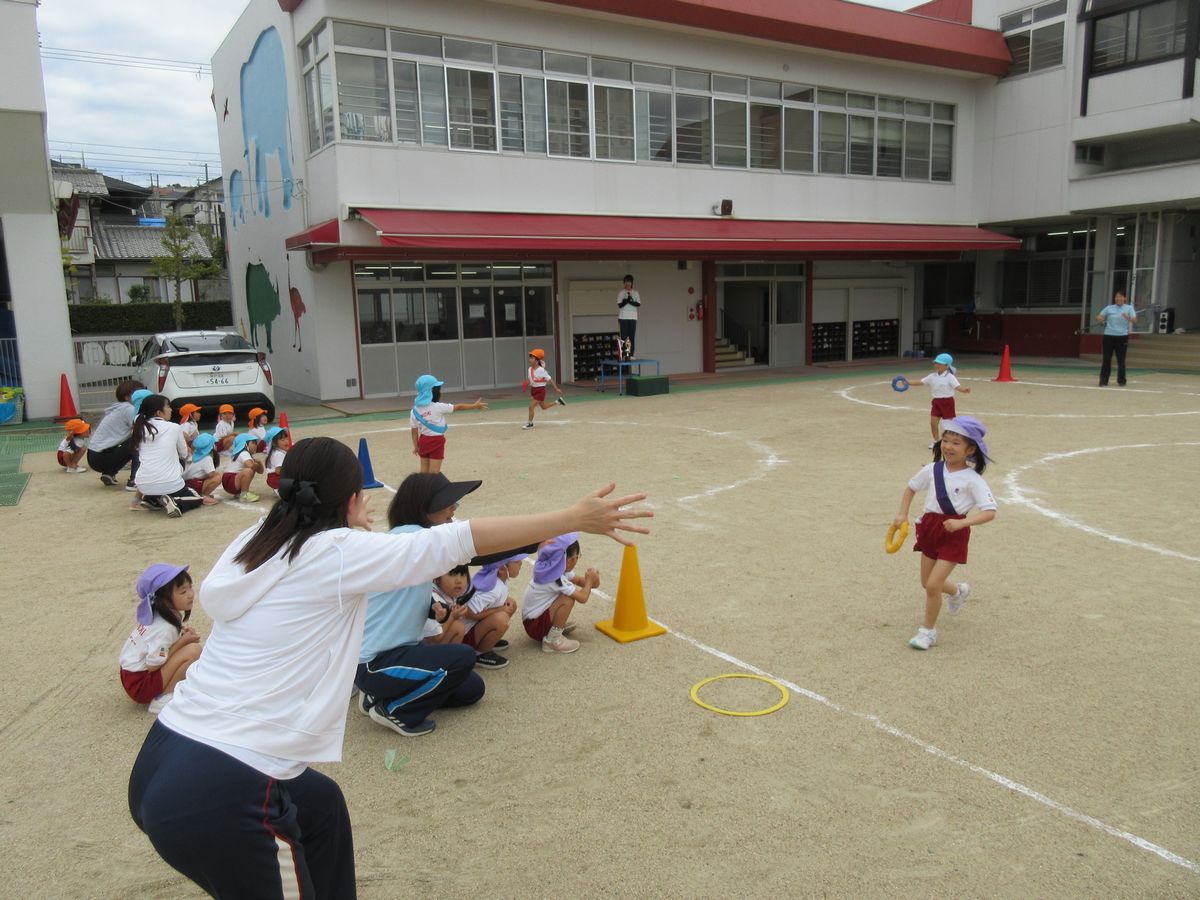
1022, 496
845, 394
995, 777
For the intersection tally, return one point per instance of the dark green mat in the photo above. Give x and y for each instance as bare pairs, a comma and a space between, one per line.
37, 442
12, 486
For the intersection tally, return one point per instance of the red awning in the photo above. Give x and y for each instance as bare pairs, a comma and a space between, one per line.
327, 234
429, 232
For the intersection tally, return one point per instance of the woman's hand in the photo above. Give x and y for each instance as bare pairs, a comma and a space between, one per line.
596, 514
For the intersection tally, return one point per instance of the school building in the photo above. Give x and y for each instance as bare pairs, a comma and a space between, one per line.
440, 186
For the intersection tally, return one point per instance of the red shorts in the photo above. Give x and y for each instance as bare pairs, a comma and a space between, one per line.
62, 459
937, 543
469, 637
538, 627
273, 480
538, 393
144, 686
942, 408
196, 484
431, 446
229, 482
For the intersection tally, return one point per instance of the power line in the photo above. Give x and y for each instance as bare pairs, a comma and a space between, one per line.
131, 147
122, 60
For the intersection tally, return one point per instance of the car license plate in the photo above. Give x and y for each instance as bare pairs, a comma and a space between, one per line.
218, 379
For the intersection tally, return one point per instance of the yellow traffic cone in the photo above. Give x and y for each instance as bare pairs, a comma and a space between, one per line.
629, 621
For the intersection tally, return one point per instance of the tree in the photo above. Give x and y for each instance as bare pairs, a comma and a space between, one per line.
180, 262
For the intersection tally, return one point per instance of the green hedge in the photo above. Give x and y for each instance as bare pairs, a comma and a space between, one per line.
146, 318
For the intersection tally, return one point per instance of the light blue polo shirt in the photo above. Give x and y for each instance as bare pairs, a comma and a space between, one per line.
395, 618
1115, 322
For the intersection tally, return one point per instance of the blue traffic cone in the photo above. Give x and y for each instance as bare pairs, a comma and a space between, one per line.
364, 460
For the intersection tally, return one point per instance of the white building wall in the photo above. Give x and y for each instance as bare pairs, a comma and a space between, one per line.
27, 217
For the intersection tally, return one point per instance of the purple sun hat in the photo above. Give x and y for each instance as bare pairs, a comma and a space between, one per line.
969, 427
149, 583
485, 579
552, 558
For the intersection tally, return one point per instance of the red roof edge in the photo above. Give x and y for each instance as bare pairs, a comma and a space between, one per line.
327, 233
951, 10
829, 25
289, 5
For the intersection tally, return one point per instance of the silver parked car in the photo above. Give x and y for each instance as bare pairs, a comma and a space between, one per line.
207, 368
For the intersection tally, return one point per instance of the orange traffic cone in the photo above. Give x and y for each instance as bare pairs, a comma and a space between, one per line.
66, 405
629, 621
1005, 368
283, 423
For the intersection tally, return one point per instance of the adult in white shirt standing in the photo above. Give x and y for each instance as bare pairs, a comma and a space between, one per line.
1117, 318
222, 786
628, 303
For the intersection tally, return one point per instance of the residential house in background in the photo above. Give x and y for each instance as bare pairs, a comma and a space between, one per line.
115, 233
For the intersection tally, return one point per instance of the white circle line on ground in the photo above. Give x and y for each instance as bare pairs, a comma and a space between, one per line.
934, 750
845, 394
1019, 496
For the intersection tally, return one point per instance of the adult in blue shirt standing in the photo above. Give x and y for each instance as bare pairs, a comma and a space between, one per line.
1117, 317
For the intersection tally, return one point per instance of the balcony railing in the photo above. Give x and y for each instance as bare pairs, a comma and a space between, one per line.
80, 240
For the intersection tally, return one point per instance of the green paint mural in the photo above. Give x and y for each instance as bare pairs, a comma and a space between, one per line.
262, 301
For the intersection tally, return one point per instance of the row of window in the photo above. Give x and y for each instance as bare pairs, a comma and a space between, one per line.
773, 126
1156, 31
413, 314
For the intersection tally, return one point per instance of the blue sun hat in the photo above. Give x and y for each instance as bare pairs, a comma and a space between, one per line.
945, 359
240, 442
273, 432
148, 584
202, 446
969, 427
137, 397
425, 386
552, 558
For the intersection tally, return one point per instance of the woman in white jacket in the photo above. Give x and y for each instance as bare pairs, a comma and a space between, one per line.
161, 449
222, 785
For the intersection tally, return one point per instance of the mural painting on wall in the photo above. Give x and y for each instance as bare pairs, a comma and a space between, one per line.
263, 95
262, 302
298, 307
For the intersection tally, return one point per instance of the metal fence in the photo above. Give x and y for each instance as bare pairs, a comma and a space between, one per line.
10, 365
101, 361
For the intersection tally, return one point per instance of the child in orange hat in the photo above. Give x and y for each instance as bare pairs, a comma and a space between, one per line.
538, 379
73, 446
223, 433
258, 419
189, 422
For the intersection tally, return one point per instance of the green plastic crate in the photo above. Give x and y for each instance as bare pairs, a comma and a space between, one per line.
647, 385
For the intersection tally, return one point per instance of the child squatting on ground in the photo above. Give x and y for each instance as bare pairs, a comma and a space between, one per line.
489, 610
537, 377
200, 474
953, 486
241, 469
942, 385
427, 422
553, 593
447, 607
158, 652
73, 446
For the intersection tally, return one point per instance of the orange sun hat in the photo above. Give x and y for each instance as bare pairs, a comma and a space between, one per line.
185, 411
226, 408
255, 413
538, 352
77, 426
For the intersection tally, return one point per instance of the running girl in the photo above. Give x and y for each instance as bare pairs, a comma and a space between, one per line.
427, 422
942, 384
538, 378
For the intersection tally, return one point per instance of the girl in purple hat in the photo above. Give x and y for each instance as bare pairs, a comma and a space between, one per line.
553, 593
954, 486
490, 609
158, 652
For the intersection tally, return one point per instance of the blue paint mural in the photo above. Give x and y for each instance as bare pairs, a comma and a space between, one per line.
265, 127
237, 198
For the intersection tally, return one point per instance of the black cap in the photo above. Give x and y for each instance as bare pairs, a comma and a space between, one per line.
446, 492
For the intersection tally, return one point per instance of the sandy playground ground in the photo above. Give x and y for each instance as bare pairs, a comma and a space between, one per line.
1046, 747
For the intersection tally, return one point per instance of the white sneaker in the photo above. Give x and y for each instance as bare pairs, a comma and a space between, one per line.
158, 703
924, 639
560, 645
955, 601
527, 425
76, 470
172, 508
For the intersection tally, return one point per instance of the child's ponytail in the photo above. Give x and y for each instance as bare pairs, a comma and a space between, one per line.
150, 407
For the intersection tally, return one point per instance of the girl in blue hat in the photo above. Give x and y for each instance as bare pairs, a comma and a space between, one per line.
159, 650
427, 422
242, 467
954, 486
201, 473
942, 385
278, 441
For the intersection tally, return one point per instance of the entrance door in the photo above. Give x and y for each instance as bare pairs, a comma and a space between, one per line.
747, 317
787, 324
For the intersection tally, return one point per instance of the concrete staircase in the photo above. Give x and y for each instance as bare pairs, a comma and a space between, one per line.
1177, 352
730, 357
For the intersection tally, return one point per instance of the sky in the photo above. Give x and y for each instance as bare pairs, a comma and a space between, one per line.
133, 120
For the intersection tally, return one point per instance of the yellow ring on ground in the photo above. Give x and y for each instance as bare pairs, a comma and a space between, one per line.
892, 546
729, 712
